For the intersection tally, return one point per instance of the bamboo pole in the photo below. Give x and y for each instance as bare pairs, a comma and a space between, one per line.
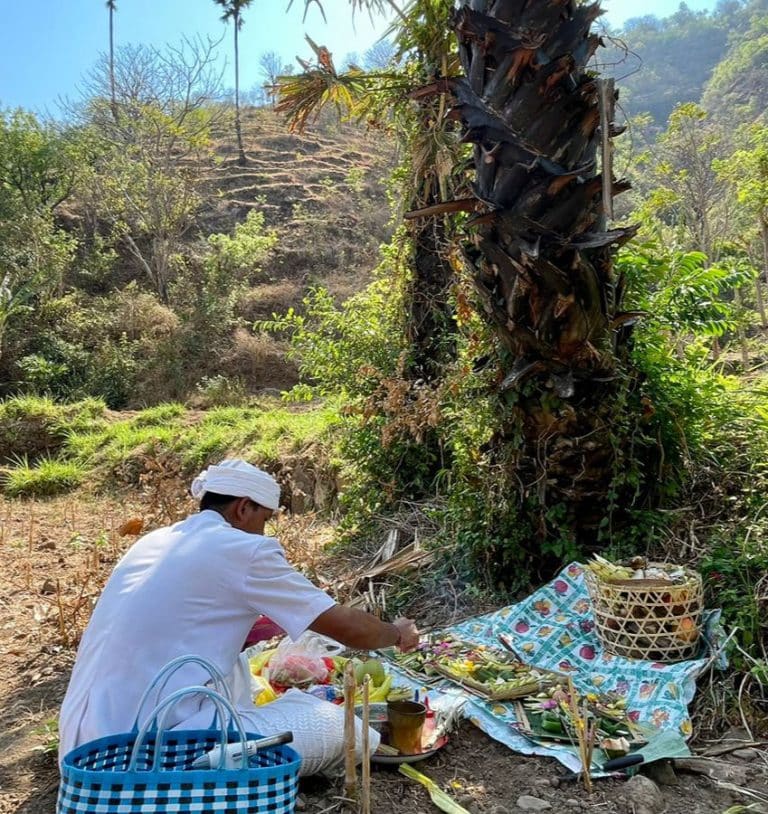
350, 773
605, 104
365, 796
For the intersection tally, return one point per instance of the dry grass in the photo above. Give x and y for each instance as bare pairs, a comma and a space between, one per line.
258, 359
270, 298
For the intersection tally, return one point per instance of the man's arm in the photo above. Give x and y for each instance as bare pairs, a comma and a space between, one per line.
363, 631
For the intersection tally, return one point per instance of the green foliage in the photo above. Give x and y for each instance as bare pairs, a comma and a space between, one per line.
679, 292
34, 255
81, 445
32, 426
44, 478
344, 350
241, 254
38, 164
737, 91
746, 170
733, 570
220, 391
49, 733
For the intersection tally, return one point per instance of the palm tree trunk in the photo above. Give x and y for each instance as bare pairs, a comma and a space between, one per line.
431, 322
242, 160
541, 258
113, 93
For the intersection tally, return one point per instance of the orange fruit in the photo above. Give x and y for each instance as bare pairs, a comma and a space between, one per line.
687, 630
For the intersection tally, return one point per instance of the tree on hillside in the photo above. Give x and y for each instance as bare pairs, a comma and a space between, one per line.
737, 91
747, 171
272, 67
668, 62
112, 7
142, 183
233, 10
39, 166
683, 190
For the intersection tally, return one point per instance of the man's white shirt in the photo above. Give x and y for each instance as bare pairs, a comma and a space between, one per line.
192, 588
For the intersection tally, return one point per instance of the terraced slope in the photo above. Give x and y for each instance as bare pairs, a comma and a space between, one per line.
323, 191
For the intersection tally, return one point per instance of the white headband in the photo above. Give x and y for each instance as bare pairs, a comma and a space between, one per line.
239, 479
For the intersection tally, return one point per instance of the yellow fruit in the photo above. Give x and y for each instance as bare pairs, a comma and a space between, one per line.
260, 661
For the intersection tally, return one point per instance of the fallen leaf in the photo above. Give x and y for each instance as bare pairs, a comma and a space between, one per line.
132, 526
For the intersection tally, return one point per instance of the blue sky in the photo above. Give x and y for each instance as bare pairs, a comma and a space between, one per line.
46, 46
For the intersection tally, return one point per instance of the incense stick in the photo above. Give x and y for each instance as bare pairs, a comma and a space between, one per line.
366, 785
579, 721
350, 775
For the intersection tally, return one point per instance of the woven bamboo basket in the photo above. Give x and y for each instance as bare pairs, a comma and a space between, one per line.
648, 619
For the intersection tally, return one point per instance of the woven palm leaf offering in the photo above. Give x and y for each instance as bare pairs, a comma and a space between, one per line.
489, 672
549, 715
645, 610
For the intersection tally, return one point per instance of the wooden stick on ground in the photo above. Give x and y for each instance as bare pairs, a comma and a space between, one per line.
350, 773
365, 796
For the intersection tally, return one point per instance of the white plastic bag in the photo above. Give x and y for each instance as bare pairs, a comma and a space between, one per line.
303, 662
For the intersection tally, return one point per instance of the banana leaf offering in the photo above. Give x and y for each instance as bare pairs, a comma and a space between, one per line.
548, 715
487, 671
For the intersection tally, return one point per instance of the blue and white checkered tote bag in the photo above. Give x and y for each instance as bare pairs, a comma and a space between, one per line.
147, 770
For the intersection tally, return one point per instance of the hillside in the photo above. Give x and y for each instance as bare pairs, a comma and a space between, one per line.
147, 270
324, 192
659, 63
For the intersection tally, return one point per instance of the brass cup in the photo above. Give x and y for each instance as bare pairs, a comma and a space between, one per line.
406, 722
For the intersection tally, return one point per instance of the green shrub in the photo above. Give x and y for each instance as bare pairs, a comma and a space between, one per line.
220, 391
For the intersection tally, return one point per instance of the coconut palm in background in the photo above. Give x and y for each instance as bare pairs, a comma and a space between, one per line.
233, 10
112, 8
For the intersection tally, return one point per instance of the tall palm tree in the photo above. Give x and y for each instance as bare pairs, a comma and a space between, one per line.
541, 256
233, 10
112, 7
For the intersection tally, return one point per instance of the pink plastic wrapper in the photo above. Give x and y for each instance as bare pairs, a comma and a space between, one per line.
264, 629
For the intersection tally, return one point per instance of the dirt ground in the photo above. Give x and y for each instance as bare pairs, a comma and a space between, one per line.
56, 555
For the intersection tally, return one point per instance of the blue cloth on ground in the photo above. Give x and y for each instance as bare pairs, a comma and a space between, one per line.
554, 628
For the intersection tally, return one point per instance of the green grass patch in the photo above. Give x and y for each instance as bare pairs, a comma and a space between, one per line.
156, 416
111, 451
46, 477
34, 426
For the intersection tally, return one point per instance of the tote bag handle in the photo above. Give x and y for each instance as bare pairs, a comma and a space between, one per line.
160, 713
162, 678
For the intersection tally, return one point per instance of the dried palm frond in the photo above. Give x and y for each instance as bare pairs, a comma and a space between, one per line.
354, 93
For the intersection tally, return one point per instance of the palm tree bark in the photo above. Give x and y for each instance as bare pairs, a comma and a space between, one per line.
540, 256
430, 324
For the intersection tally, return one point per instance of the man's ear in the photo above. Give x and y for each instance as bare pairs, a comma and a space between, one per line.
239, 507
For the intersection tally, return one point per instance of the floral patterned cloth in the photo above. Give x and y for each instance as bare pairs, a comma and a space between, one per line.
553, 628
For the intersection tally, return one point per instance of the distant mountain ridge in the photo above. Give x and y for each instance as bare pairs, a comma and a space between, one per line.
717, 58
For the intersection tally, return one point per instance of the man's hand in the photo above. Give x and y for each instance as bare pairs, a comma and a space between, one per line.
364, 631
409, 634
